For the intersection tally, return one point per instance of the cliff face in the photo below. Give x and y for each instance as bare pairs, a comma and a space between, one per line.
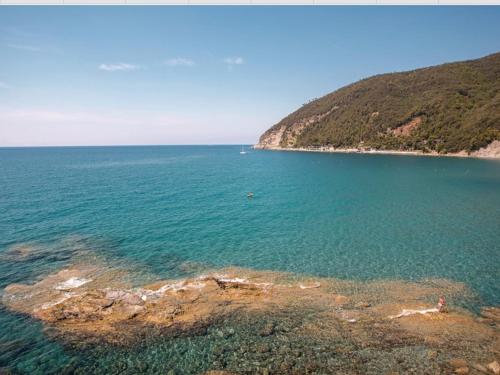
448, 108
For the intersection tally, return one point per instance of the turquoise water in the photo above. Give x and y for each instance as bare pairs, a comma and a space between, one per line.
338, 215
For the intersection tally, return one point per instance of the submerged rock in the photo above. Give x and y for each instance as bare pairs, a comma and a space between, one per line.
341, 300
457, 362
494, 367
267, 330
491, 313
480, 368
362, 305
432, 354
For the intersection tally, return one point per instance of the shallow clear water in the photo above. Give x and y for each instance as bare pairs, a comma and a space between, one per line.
156, 208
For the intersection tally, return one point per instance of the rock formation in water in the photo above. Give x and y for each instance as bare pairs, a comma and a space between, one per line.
246, 321
450, 108
88, 303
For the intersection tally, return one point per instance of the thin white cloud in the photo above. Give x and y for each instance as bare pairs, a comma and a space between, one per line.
24, 47
180, 61
83, 117
234, 60
59, 127
3, 85
119, 67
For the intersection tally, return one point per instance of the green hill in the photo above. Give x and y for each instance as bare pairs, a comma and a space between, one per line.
447, 108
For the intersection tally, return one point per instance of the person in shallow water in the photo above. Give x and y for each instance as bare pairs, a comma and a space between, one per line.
249, 195
442, 305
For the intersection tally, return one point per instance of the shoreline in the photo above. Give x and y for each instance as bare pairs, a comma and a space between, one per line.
378, 152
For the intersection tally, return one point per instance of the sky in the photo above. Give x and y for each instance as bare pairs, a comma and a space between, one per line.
99, 75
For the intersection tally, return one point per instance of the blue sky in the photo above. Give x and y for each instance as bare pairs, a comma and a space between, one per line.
206, 75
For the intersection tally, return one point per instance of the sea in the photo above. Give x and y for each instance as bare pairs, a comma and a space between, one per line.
172, 210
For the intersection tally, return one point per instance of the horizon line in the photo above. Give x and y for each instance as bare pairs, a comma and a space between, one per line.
134, 145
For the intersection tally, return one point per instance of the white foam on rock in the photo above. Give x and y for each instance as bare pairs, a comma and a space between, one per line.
409, 312
175, 287
48, 305
315, 285
72, 283
199, 284
236, 280
181, 285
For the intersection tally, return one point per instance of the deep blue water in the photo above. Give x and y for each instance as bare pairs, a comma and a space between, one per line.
340, 215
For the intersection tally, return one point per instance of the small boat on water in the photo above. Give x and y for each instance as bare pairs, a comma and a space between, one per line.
242, 152
249, 195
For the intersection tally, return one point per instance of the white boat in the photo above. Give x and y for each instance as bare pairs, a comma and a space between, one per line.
242, 152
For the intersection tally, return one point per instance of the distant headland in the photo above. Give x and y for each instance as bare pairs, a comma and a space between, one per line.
451, 109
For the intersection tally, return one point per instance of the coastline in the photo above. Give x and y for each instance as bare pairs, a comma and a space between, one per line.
477, 155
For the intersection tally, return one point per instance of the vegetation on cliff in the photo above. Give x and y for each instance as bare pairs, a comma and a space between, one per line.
447, 108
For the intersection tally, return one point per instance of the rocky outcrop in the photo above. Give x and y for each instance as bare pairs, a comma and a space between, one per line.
494, 367
271, 139
406, 129
286, 136
87, 302
262, 320
490, 151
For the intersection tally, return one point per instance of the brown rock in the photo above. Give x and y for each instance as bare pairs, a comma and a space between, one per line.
462, 370
432, 354
132, 299
130, 311
486, 321
457, 363
341, 300
267, 330
362, 305
494, 367
103, 302
480, 368
492, 313
114, 294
